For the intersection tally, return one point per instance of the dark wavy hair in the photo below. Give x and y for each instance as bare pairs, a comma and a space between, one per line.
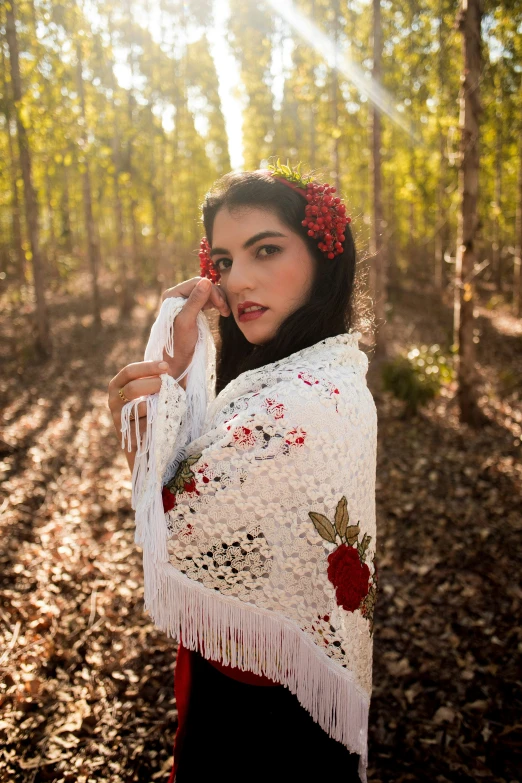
329, 309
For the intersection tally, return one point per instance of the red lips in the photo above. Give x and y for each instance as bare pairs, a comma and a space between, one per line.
243, 305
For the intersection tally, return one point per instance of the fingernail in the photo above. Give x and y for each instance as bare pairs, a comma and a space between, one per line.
204, 282
163, 366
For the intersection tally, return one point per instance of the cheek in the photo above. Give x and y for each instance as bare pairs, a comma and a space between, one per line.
293, 279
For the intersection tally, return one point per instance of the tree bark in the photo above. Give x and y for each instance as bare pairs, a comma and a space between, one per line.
126, 288
43, 342
335, 101
379, 266
497, 249
517, 261
13, 171
66, 236
439, 234
469, 22
92, 243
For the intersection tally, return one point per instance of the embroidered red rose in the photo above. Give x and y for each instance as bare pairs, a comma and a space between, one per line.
183, 481
169, 499
349, 576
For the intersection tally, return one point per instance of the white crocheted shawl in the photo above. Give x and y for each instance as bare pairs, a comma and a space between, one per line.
265, 557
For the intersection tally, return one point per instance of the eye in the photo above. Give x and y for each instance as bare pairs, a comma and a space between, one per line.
270, 250
222, 264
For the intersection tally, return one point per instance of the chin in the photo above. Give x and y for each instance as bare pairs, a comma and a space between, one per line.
255, 337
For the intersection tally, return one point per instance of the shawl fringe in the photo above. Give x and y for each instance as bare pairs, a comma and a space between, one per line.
247, 637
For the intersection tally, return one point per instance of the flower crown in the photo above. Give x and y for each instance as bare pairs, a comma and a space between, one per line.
325, 216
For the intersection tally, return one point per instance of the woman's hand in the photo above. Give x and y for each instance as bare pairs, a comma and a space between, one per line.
135, 380
201, 294
143, 378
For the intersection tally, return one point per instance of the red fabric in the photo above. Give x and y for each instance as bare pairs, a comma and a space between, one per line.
249, 678
182, 684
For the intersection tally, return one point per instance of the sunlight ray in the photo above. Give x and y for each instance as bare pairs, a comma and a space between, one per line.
336, 58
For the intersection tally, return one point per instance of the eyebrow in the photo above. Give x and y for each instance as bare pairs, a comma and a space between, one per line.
262, 235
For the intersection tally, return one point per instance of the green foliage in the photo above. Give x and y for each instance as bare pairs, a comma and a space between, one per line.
155, 140
417, 376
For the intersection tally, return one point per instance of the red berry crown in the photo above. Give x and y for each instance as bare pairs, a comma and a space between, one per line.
325, 216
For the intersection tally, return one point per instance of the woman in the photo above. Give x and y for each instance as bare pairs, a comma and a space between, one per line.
256, 509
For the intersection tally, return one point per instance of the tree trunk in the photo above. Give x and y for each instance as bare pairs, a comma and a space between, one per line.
126, 295
66, 237
378, 268
335, 101
439, 234
51, 252
469, 22
13, 171
517, 261
92, 243
43, 343
441, 221
497, 249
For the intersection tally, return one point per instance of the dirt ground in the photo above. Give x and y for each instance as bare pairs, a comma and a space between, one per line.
87, 682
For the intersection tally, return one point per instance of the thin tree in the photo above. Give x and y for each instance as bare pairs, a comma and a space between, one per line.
469, 25
43, 343
517, 268
378, 268
92, 241
13, 171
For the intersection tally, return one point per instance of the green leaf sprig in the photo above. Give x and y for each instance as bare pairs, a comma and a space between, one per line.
289, 173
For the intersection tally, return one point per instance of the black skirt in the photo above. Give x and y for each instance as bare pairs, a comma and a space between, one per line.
251, 733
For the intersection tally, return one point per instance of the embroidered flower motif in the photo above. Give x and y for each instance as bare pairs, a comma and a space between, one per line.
203, 473
347, 569
169, 500
307, 378
184, 480
186, 532
277, 409
244, 437
296, 437
349, 576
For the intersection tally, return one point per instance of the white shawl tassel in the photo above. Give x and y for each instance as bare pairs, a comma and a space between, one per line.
147, 476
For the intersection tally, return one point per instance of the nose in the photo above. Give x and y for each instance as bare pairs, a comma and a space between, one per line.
239, 278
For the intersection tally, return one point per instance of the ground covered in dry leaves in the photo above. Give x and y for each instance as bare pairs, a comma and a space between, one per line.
86, 681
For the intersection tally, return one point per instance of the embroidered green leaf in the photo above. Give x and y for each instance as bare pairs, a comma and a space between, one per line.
184, 474
323, 526
363, 546
341, 517
352, 534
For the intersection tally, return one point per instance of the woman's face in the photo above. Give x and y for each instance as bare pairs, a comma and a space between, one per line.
261, 262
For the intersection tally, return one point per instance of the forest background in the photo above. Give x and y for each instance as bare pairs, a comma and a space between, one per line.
115, 119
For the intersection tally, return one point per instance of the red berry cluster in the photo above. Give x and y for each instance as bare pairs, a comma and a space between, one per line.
206, 266
326, 218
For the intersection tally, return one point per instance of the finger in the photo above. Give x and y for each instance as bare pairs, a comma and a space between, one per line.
141, 387
218, 300
182, 289
142, 410
132, 372
197, 299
